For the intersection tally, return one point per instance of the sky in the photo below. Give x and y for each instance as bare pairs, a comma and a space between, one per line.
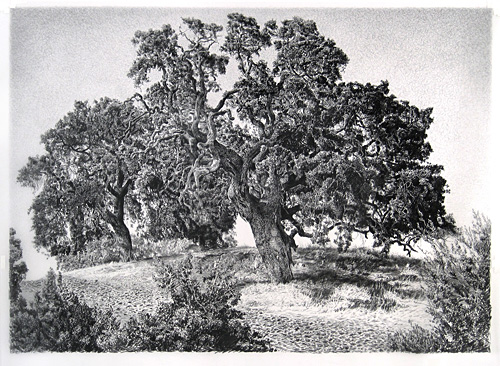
438, 58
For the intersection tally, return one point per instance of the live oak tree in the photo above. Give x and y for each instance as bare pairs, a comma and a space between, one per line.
290, 147
91, 183
85, 179
301, 152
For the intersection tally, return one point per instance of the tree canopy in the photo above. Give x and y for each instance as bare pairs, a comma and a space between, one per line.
90, 184
287, 145
304, 151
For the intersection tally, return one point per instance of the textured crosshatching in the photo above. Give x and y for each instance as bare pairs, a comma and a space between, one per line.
209, 119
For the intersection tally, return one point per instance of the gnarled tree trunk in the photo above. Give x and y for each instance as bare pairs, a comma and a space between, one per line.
117, 219
122, 232
273, 243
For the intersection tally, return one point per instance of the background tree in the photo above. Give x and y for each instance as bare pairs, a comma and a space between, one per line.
85, 179
91, 184
301, 150
17, 267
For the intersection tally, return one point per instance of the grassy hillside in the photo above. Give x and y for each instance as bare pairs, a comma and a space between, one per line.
338, 302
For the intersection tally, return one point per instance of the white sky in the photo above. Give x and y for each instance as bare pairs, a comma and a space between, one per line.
436, 58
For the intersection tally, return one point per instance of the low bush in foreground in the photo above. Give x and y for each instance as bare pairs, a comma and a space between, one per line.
58, 321
458, 282
200, 317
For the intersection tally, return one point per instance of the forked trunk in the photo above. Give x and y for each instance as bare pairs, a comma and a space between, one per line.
117, 219
272, 242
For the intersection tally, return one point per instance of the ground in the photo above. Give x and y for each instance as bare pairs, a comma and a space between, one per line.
349, 302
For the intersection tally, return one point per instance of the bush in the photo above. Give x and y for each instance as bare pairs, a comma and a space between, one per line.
58, 321
107, 250
145, 249
17, 267
101, 251
241, 267
458, 281
417, 340
200, 317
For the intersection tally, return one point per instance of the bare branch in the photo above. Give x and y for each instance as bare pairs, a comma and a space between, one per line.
287, 214
131, 123
143, 102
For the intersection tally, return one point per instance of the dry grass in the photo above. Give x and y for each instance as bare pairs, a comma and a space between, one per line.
356, 285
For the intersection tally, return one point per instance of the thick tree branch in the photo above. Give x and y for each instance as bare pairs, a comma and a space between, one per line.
112, 190
287, 214
258, 124
125, 188
224, 98
292, 210
149, 109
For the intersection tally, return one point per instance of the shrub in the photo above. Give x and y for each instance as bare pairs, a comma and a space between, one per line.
107, 250
17, 267
458, 282
200, 317
417, 340
240, 267
101, 251
148, 248
58, 321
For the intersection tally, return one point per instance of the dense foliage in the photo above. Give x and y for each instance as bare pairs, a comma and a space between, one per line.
58, 321
91, 186
288, 146
17, 267
85, 178
301, 151
458, 287
200, 317
99, 251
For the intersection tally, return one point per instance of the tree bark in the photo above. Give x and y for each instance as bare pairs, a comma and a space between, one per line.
117, 219
273, 244
122, 232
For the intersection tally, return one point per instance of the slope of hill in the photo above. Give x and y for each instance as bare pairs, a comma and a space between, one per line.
349, 302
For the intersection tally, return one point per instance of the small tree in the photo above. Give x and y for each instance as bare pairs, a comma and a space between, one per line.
17, 267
